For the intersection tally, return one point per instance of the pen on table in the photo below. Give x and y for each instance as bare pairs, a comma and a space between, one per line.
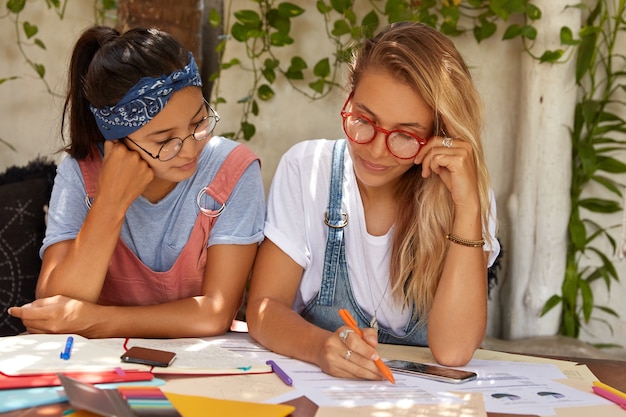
609, 394
65, 355
351, 322
280, 373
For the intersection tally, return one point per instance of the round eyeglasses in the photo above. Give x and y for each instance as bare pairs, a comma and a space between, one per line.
361, 130
202, 130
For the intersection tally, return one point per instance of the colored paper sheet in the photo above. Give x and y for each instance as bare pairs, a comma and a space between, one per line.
16, 399
194, 406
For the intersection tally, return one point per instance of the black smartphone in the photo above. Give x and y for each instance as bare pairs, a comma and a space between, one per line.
438, 373
147, 356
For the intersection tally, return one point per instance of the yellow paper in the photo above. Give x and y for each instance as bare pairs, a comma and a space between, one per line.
192, 406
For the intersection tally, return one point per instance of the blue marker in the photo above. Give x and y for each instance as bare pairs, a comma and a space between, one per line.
280, 373
65, 355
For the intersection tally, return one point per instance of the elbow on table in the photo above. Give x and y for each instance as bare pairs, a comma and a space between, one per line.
454, 356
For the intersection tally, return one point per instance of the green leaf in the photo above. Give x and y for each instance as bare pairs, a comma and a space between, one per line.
289, 10
280, 39
2, 80
599, 205
587, 155
512, 31
612, 165
248, 130
240, 32
341, 6
215, 18
278, 22
529, 32
587, 299
297, 64
586, 54
269, 74
484, 31
16, 6
551, 56
608, 310
577, 232
607, 264
30, 30
317, 86
498, 7
294, 72
340, 27
567, 37
533, 12
265, 92
255, 108
369, 24
231, 63
322, 7
248, 18
271, 63
40, 69
322, 68
607, 183
106, 4
550, 304
350, 16
40, 43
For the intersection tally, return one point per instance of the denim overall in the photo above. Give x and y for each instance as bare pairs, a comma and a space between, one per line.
335, 291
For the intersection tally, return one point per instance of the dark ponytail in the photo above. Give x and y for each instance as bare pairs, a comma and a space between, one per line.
104, 66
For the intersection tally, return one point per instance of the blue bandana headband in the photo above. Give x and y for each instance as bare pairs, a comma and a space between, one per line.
143, 102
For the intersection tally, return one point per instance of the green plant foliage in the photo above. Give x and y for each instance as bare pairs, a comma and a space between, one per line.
266, 28
596, 142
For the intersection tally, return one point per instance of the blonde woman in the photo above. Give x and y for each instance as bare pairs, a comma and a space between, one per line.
398, 228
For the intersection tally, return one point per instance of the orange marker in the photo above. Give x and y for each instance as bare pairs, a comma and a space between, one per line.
351, 322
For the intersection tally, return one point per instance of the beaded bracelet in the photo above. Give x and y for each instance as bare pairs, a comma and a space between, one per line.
465, 242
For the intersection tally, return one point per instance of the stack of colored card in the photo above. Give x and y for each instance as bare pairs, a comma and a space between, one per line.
148, 401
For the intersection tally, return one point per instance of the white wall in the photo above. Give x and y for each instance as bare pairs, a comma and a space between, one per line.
30, 120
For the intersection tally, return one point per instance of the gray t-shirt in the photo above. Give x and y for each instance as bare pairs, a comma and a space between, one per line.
157, 233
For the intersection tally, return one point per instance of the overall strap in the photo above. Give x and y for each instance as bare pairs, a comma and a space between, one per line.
226, 178
336, 220
90, 168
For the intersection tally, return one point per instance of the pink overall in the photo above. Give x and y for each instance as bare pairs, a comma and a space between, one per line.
130, 282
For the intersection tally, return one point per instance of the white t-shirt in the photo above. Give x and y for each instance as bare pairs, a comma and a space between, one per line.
297, 201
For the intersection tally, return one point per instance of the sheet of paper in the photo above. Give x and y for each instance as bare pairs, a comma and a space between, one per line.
607, 410
192, 406
39, 353
17, 399
199, 356
510, 383
253, 388
472, 405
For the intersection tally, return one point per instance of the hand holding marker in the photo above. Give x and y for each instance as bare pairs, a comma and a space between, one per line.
351, 322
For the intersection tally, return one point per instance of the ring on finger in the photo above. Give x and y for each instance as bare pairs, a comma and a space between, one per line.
347, 355
446, 142
343, 335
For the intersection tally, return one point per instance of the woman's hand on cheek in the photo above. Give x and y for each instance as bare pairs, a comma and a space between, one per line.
455, 166
125, 175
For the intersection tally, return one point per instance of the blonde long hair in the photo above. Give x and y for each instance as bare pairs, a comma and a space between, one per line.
430, 65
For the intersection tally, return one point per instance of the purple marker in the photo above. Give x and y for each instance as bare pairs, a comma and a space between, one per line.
280, 373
